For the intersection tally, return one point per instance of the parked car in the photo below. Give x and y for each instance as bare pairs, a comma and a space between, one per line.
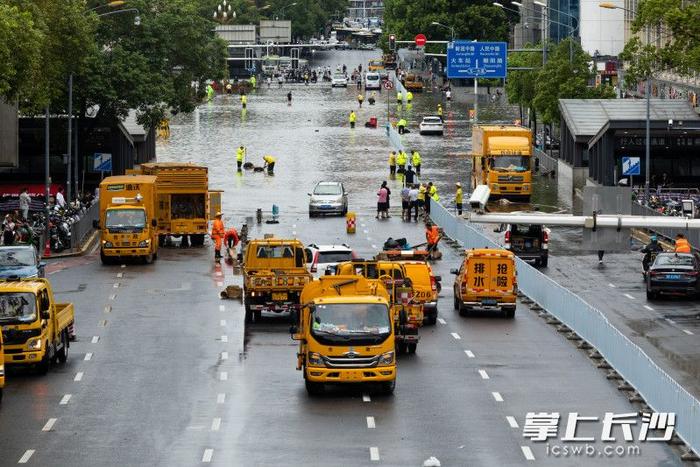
673, 274
20, 261
322, 257
373, 81
339, 79
328, 198
431, 126
528, 242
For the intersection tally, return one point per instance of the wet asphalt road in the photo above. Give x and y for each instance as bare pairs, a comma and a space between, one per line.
164, 372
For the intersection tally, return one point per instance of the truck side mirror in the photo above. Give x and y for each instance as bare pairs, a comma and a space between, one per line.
95, 224
402, 317
154, 223
438, 278
45, 314
454, 271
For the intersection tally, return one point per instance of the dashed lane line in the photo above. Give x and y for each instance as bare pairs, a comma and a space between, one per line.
219, 284
216, 424
370, 423
527, 452
123, 266
512, 421
116, 285
95, 339
113, 296
669, 320
26, 456
365, 398
103, 323
224, 355
483, 374
221, 398
88, 356
374, 247
690, 333
648, 308
222, 322
223, 376
49, 424
65, 399
455, 335
497, 396
120, 275
78, 376
222, 308
611, 285
442, 321
208, 454
224, 338
469, 353
628, 296
374, 453
108, 309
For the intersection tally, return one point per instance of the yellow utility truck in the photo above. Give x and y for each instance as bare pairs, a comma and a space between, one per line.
2, 368
502, 159
346, 334
34, 327
183, 200
406, 311
274, 274
127, 223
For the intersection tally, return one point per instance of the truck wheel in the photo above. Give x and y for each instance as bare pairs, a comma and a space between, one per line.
412, 348
148, 259
257, 316
401, 347
311, 214
510, 313
106, 260
62, 355
388, 387
0, 395
431, 319
197, 240
313, 388
456, 303
651, 295
248, 314
43, 366
543, 262
463, 310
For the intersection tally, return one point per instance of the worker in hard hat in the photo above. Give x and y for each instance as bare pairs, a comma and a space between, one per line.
269, 164
244, 100
416, 161
218, 233
360, 99
458, 198
240, 157
352, 119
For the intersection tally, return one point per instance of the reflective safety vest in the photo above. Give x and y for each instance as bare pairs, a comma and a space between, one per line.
244, 99
409, 96
360, 97
399, 96
458, 197
232, 233
252, 81
353, 117
432, 235
269, 159
439, 111
392, 159
401, 158
240, 154
402, 122
217, 229
421, 193
415, 159
433, 193
682, 246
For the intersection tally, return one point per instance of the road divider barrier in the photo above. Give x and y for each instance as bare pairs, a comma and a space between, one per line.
648, 382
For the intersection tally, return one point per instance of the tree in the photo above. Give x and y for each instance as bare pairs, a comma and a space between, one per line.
565, 76
20, 57
520, 84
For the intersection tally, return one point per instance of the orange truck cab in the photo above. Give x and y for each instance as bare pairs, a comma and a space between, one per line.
486, 281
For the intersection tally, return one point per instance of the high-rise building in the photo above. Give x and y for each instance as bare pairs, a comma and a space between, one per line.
365, 9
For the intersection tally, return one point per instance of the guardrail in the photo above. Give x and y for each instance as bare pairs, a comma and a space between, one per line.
693, 236
547, 162
398, 86
660, 391
82, 229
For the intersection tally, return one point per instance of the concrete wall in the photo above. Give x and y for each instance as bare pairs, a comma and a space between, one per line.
602, 29
9, 134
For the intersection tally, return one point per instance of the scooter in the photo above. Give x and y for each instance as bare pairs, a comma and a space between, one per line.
645, 265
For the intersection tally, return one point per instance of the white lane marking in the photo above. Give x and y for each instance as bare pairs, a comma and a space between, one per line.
95, 339
123, 266
219, 284
483, 374
224, 355
216, 424
648, 308
222, 308
294, 226
374, 247
469, 353
103, 323
223, 376
208, 454
612, 285
49, 424
442, 321
65, 399
628, 296
113, 296
527, 452
221, 398
116, 285
88, 356
497, 396
222, 322
369, 238
363, 225
370, 422
365, 398
120, 275
366, 231
374, 453
294, 232
108, 308
670, 321
512, 421
690, 333
224, 338
26, 456
78, 376
456, 336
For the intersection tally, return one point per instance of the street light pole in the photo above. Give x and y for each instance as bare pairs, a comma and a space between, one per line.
451, 28
47, 166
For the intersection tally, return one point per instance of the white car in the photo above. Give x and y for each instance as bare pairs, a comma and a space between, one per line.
339, 79
373, 81
431, 126
322, 257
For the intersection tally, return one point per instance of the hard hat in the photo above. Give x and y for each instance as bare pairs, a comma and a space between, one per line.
458, 184
218, 214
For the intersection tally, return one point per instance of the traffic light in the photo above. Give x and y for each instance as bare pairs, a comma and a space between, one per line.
392, 42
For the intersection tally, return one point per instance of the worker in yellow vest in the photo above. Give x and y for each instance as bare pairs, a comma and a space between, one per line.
392, 163
253, 82
399, 98
416, 161
401, 160
409, 97
458, 198
270, 164
244, 100
360, 99
240, 157
352, 119
421, 197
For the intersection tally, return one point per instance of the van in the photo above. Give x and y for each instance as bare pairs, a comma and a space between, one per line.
373, 81
486, 281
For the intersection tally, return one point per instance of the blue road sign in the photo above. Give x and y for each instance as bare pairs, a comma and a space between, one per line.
631, 166
102, 162
466, 59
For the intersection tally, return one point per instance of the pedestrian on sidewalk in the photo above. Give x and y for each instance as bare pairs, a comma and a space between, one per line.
289, 95
413, 198
383, 201
24, 202
406, 203
392, 164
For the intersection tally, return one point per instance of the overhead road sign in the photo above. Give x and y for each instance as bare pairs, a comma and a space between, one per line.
467, 59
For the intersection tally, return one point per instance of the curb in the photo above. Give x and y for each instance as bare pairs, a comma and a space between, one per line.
86, 246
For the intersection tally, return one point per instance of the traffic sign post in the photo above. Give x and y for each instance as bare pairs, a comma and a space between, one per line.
420, 40
631, 166
471, 59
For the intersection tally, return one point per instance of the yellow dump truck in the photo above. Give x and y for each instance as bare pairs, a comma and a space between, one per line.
346, 334
128, 225
502, 159
183, 200
35, 329
406, 311
274, 274
413, 83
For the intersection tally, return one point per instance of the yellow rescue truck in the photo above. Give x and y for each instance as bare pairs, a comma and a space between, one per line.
128, 226
35, 329
2, 368
502, 159
406, 311
274, 274
183, 201
486, 281
346, 334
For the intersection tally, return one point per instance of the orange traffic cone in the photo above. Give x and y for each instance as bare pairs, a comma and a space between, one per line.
47, 248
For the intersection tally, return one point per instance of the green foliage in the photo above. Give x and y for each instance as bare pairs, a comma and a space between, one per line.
520, 84
20, 43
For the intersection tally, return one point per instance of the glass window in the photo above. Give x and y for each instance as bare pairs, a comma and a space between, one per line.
334, 256
282, 251
125, 219
347, 319
327, 189
17, 257
674, 260
17, 308
512, 163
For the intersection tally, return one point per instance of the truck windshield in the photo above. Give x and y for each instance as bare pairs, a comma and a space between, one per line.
17, 307
125, 220
511, 163
351, 322
12, 257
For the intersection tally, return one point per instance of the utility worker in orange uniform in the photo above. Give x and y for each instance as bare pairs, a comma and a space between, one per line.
217, 234
432, 235
231, 240
682, 245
